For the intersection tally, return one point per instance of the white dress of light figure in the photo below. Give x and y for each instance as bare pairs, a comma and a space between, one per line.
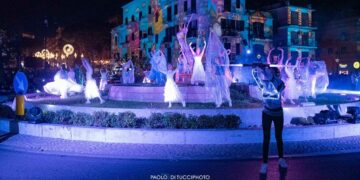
304, 79
183, 69
161, 60
319, 78
185, 48
222, 90
198, 72
62, 85
71, 75
292, 91
172, 93
91, 88
218, 74
104, 75
128, 72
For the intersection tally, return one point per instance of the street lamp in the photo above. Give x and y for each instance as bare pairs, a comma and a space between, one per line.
337, 60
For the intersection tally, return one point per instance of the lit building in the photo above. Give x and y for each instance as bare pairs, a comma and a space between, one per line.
294, 30
340, 44
146, 22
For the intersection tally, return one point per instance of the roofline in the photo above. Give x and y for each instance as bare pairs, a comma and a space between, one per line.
127, 4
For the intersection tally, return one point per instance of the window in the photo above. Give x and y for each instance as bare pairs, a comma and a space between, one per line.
238, 6
132, 18
223, 24
150, 31
295, 38
126, 21
239, 26
227, 45
169, 15
305, 19
193, 29
140, 15
157, 15
156, 38
169, 55
304, 54
227, 5
149, 9
294, 54
185, 6
232, 24
140, 34
116, 40
294, 17
175, 9
167, 34
305, 39
193, 6
258, 30
238, 51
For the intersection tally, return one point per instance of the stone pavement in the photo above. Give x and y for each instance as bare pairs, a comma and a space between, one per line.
175, 152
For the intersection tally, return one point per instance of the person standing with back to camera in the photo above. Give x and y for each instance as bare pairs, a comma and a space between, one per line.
272, 88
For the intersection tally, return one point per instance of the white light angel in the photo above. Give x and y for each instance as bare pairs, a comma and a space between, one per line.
104, 75
318, 77
198, 72
218, 74
128, 72
292, 91
275, 59
62, 85
91, 89
171, 90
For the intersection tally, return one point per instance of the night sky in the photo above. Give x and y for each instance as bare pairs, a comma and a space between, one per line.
29, 15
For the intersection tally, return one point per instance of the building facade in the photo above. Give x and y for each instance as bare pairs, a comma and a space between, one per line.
248, 34
340, 44
294, 29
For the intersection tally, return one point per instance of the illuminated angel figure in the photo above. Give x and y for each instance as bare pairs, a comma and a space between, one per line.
222, 90
275, 59
185, 48
128, 72
158, 62
291, 91
218, 74
62, 85
104, 74
304, 76
171, 90
91, 89
198, 72
318, 76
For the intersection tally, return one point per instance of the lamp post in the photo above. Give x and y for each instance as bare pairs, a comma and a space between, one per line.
46, 25
337, 60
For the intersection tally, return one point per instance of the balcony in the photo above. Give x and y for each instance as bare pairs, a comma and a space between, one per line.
297, 42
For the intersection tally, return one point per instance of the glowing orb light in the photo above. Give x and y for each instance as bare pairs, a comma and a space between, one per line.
68, 49
356, 65
248, 51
